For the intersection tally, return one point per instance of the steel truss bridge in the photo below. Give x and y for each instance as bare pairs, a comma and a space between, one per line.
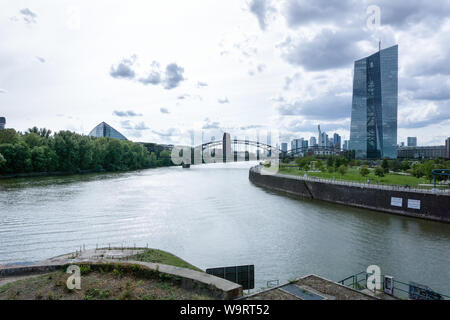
227, 150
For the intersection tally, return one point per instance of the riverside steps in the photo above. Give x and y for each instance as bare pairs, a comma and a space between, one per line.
424, 204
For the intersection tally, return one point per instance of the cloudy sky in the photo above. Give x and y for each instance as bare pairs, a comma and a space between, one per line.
162, 70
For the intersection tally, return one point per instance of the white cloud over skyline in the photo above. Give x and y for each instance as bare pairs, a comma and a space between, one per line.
240, 64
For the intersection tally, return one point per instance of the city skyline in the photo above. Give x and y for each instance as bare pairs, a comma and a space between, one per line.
70, 66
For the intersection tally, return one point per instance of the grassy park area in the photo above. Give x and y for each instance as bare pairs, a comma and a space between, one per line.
414, 174
353, 174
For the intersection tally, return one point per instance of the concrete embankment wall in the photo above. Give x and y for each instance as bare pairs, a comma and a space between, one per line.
402, 202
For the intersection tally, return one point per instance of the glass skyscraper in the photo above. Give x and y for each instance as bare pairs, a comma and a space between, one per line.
373, 132
105, 130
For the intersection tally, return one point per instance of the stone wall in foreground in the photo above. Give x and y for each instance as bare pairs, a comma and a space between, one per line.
425, 205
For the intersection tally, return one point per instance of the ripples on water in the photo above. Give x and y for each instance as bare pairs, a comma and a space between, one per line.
211, 215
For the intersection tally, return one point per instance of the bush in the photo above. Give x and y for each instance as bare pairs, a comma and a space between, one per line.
385, 166
364, 171
379, 171
342, 170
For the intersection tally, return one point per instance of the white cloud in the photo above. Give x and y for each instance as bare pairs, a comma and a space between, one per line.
300, 53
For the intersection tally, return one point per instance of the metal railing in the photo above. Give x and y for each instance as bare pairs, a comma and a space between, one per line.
358, 281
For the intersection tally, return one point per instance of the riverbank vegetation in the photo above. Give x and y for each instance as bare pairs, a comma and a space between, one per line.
159, 256
38, 150
394, 172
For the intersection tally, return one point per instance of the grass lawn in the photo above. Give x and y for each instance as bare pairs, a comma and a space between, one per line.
353, 175
159, 256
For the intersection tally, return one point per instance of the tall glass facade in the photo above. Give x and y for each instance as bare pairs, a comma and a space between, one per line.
105, 130
373, 132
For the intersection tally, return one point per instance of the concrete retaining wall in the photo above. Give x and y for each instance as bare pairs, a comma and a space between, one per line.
432, 206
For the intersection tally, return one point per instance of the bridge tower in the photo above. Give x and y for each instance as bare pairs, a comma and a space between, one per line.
226, 148
258, 150
235, 149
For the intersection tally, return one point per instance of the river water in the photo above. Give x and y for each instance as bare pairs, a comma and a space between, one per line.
212, 216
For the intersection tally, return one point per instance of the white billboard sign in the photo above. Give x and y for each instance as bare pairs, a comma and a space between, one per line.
414, 204
396, 202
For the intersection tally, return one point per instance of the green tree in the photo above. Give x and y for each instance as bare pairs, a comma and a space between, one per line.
43, 132
165, 157
364, 171
342, 170
379, 171
404, 166
38, 159
417, 170
67, 149
9, 136
33, 140
17, 156
396, 165
303, 163
427, 169
385, 165
330, 162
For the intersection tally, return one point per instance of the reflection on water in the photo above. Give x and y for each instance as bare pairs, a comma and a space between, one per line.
211, 215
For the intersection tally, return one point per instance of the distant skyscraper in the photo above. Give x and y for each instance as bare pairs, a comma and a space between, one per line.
412, 141
312, 141
346, 144
296, 146
323, 138
337, 141
304, 145
373, 132
284, 147
447, 148
105, 130
2, 123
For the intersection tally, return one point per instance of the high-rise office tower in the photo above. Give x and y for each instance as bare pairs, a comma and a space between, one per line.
412, 141
373, 132
346, 144
447, 148
2, 123
337, 141
312, 141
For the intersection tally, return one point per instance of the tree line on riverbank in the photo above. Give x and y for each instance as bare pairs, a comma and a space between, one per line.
38, 150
